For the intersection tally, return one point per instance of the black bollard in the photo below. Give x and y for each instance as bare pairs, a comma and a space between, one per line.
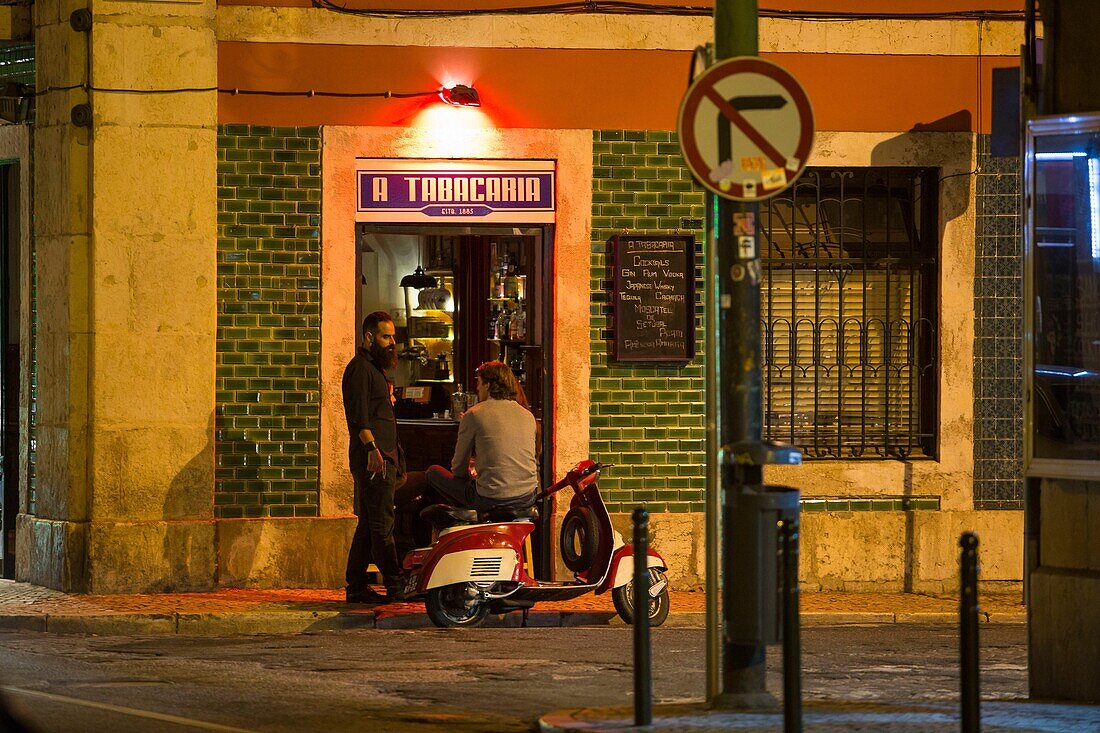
968, 633
792, 644
643, 687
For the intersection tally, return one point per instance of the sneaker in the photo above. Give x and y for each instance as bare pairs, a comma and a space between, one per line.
365, 595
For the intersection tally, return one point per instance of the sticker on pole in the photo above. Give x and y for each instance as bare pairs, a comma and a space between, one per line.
746, 128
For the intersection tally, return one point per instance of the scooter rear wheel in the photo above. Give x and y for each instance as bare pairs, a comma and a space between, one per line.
623, 597
450, 606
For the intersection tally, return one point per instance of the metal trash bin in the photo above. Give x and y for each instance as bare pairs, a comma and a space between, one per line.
754, 613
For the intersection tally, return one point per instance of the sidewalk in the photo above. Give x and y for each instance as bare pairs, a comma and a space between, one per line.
1000, 716
235, 611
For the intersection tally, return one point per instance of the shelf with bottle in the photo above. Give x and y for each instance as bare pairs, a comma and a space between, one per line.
508, 282
508, 323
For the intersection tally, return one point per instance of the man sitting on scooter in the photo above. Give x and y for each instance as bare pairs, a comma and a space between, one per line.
500, 434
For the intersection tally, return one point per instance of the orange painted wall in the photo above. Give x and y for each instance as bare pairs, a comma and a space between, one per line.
588, 89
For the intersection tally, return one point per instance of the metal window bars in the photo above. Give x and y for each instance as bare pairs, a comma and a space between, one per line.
848, 319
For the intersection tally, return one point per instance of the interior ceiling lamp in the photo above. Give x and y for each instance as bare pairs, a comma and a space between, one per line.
460, 95
419, 279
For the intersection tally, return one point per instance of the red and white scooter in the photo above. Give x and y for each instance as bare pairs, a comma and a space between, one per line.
482, 565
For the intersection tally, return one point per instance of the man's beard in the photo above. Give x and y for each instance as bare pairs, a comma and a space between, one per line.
384, 356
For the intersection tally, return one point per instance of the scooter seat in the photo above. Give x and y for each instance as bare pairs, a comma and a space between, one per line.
443, 516
510, 514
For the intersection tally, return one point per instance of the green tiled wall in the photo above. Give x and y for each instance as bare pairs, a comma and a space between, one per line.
646, 419
269, 321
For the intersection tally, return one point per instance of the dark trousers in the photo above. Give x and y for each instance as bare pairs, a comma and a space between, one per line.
410, 531
373, 538
462, 492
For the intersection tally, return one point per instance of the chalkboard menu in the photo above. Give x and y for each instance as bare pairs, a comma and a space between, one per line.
653, 298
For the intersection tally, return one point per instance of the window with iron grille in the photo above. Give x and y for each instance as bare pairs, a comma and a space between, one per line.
849, 313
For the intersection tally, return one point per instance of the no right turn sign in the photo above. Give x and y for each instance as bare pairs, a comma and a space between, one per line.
746, 129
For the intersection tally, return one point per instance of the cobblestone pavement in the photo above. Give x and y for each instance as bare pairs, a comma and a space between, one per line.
899, 678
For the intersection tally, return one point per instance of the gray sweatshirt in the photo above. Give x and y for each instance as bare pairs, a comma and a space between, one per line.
502, 435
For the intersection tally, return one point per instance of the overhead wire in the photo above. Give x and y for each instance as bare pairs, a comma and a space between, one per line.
585, 6
621, 7
238, 91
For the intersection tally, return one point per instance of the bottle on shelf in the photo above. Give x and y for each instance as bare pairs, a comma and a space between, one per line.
511, 286
442, 368
494, 314
503, 324
519, 367
500, 290
517, 327
458, 403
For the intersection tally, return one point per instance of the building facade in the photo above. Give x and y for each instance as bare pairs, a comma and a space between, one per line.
194, 257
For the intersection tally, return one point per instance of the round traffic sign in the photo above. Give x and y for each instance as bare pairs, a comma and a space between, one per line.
746, 128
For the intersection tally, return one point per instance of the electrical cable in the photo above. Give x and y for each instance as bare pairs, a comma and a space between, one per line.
236, 91
586, 6
978, 105
619, 7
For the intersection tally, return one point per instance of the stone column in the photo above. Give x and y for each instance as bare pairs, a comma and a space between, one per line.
126, 233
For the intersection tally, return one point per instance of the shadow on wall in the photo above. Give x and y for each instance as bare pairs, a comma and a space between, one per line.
911, 149
189, 551
910, 531
954, 156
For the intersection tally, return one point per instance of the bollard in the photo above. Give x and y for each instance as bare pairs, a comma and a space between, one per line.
968, 633
643, 689
792, 645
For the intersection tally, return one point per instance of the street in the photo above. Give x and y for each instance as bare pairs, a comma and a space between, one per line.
426, 680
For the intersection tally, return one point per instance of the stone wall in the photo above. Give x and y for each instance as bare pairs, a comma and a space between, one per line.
125, 254
868, 524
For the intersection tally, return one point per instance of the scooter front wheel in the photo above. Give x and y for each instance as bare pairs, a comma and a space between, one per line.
623, 597
455, 606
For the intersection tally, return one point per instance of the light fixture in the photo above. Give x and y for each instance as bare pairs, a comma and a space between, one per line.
418, 280
1094, 206
460, 95
1060, 156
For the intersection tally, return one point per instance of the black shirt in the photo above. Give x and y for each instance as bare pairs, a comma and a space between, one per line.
367, 406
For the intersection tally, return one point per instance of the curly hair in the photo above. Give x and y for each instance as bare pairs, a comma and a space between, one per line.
498, 377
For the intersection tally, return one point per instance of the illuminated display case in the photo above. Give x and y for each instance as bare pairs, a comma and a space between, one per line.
1062, 292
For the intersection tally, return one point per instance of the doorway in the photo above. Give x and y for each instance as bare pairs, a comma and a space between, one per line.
9, 372
461, 296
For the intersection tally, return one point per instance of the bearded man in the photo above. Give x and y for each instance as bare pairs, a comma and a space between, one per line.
373, 458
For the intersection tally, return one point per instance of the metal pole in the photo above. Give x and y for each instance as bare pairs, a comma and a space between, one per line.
643, 688
968, 633
792, 643
743, 681
713, 539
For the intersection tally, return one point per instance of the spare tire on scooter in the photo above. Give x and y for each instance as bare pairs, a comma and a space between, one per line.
579, 530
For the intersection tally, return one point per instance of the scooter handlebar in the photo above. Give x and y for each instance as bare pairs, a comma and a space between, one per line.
573, 477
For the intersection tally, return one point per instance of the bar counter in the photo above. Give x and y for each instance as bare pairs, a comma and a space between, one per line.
427, 441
